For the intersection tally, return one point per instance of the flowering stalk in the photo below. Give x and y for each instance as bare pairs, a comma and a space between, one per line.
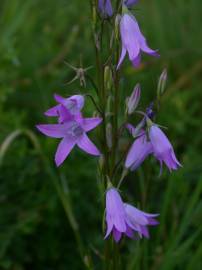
121, 219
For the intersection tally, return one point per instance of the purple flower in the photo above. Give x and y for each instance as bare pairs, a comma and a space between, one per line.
139, 220
73, 104
115, 215
139, 150
162, 148
105, 8
130, 3
125, 219
133, 41
72, 132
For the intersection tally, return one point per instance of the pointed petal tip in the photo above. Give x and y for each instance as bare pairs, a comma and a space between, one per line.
57, 164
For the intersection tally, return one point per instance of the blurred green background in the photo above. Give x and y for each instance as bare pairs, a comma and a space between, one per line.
36, 37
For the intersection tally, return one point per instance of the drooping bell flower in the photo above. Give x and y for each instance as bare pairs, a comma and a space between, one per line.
124, 219
72, 132
162, 148
133, 41
130, 3
105, 8
138, 152
116, 218
73, 105
139, 220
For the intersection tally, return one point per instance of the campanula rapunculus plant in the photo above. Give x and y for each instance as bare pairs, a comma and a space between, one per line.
116, 33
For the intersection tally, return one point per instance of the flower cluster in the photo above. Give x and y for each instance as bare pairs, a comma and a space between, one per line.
71, 127
152, 142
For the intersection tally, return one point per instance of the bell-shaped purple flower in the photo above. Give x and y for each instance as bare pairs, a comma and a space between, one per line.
162, 148
133, 41
130, 3
139, 150
124, 219
105, 8
73, 105
115, 215
72, 132
139, 220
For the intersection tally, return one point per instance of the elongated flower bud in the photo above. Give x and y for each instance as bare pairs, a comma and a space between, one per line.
108, 78
130, 3
162, 83
133, 100
109, 135
105, 8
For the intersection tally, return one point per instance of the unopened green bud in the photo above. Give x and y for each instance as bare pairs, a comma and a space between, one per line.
117, 21
108, 78
162, 83
133, 100
109, 135
101, 162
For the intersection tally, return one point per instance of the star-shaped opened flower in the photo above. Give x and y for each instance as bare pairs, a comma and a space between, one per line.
72, 129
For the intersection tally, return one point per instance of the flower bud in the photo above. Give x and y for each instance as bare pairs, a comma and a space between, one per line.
101, 162
133, 100
162, 83
130, 3
109, 135
108, 77
117, 21
105, 8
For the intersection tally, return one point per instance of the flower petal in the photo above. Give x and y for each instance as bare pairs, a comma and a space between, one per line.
123, 54
52, 111
52, 130
139, 150
79, 99
109, 225
63, 150
115, 209
91, 123
59, 98
136, 61
87, 145
116, 235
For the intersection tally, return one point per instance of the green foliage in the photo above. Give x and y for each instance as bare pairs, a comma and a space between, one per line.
38, 206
